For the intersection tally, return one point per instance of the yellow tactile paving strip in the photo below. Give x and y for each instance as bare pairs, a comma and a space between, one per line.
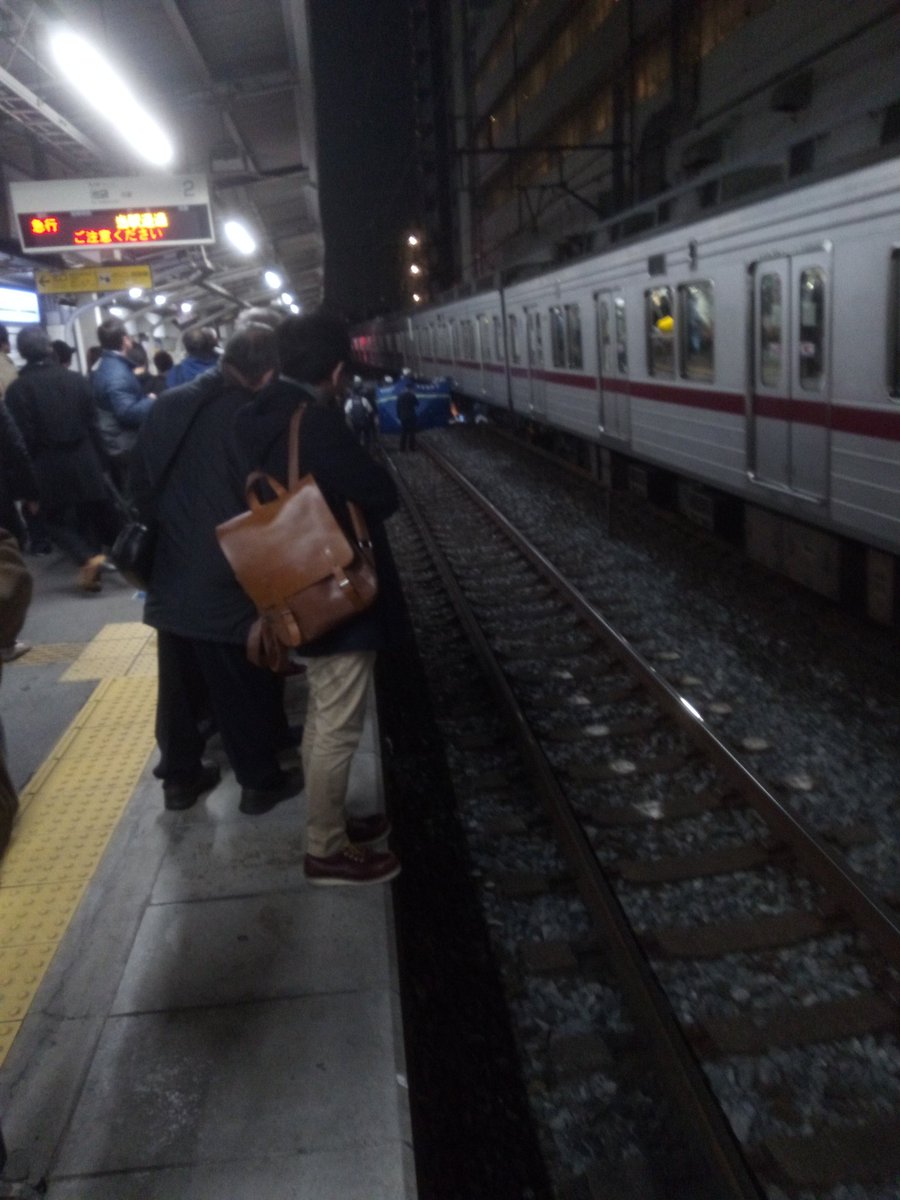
50, 652
69, 810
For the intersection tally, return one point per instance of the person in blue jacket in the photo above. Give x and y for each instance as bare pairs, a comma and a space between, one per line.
200, 356
122, 405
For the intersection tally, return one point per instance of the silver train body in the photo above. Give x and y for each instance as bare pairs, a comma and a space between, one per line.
753, 354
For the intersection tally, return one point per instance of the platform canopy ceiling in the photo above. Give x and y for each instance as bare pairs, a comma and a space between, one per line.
231, 83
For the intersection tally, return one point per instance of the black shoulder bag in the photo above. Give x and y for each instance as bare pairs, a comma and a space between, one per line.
134, 549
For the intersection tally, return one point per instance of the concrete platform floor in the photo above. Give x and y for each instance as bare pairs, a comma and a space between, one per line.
210, 1027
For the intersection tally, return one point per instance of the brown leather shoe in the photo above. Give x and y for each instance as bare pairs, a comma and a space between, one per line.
353, 866
89, 575
364, 831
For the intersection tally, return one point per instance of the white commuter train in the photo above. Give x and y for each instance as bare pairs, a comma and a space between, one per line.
752, 354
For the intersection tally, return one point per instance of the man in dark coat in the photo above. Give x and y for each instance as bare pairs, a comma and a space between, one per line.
55, 411
407, 406
187, 473
17, 478
15, 596
313, 350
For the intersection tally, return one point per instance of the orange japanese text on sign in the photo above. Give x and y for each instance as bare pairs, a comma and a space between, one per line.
44, 225
142, 220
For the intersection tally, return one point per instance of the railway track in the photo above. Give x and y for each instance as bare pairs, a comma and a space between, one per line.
688, 867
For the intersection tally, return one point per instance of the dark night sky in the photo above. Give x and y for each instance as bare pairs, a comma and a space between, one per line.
365, 130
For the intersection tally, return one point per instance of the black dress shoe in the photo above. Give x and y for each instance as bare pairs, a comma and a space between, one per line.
256, 801
178, 796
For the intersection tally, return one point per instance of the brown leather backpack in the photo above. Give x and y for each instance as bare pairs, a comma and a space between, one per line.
295, 562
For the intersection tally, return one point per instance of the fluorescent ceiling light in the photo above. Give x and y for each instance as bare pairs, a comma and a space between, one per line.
105, 90
273, 280
160, 299
186, 306
295, 308
135, 293
240, 237
287, 299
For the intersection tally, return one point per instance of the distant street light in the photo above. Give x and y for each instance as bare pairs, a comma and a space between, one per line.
412, 240
415, 269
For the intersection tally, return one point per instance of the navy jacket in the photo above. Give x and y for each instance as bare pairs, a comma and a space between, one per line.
121, 403
193, 591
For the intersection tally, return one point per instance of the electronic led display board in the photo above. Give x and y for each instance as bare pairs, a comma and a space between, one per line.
117, 228
112, 214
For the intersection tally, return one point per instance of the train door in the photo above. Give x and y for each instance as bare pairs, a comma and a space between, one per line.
537, 384
613, 397
790, 390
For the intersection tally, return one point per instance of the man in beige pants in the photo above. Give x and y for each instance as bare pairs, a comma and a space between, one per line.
313, 350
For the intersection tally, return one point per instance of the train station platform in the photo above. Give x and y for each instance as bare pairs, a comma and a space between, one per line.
181, 1015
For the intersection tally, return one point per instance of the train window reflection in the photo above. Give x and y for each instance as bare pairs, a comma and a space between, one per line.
698, 330
894, 328
557, 337
621, 340
606, 349
573, 337
660, 332
513, 338
771, 347
535, 340
812, 329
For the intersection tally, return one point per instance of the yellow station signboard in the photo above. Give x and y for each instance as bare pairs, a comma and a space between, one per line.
93, 279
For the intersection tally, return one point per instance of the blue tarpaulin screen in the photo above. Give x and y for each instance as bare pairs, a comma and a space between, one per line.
433, 410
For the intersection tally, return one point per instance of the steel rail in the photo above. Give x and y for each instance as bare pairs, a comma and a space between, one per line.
727, 1174
842, 884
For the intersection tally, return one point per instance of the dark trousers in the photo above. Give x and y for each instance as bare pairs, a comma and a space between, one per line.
408, 435
12, 522
199, 678
82, 530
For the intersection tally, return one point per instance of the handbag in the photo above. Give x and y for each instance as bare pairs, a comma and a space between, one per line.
295, 562
132, 553
135, 546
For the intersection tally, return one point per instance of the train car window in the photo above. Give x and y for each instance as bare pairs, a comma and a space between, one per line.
485, 330
698, 329
771, 349
894, 330
557, 337
573, 336
621, 339
535, 340
606, 340
498, 341
454, 339
660, 332
812, 329
468, 341
513, 338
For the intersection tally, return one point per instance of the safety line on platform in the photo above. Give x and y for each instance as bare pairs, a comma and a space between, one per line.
69, 810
